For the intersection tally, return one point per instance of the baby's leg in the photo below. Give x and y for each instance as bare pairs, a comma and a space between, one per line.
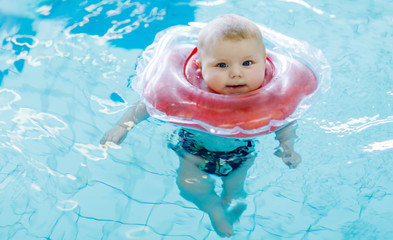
233, 184
197, 186
233, 188
194, 184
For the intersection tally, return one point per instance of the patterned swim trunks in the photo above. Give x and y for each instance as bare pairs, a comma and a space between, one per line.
216, 162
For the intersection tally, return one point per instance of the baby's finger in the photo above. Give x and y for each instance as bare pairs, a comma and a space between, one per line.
279, 153
104, 139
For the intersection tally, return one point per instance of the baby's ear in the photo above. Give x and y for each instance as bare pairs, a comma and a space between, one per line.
198, 63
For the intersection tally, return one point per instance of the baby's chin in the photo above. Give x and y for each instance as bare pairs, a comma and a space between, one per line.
239, 89
236, 89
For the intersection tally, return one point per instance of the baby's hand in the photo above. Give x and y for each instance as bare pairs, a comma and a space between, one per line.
290, 158
117, 134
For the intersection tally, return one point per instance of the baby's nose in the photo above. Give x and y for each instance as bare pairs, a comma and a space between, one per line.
236, 72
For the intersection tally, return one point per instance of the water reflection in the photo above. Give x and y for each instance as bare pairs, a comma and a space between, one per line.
355, 125
379, 146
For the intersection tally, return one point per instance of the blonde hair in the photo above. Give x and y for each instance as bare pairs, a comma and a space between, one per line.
228, 27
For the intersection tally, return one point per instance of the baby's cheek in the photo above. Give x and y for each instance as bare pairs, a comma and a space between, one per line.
211, 78
210, 82
214, 81
257, 79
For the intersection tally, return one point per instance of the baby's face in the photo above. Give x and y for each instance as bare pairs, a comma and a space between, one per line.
233, 67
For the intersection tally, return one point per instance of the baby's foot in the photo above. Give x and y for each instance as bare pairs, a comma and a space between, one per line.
221, 222
235, 213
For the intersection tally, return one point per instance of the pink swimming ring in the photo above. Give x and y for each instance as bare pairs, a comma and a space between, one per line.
174, 91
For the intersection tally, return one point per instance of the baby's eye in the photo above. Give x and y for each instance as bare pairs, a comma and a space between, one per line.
222, 65
247, 63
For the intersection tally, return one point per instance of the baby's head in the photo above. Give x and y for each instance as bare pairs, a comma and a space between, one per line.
231, 55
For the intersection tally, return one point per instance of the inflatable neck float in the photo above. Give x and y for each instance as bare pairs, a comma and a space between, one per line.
172, 87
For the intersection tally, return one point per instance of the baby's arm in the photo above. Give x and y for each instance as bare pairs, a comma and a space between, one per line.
132, 117
286, 137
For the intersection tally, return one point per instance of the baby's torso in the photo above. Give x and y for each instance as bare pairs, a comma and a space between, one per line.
216, 143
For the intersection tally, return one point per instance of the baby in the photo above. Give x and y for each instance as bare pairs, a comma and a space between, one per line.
232, 58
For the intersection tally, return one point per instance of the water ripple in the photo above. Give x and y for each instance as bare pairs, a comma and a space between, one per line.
306, 5
7, 98
36, 125
67, 205
109, 106
210, 3
41, 167
120, 27
93, 152
355, 125
379, 146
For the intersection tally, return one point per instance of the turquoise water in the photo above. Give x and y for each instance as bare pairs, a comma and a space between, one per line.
65, 68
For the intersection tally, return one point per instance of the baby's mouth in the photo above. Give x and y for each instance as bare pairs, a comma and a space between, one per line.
236, 86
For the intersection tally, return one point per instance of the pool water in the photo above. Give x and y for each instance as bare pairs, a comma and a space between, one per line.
65, 72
